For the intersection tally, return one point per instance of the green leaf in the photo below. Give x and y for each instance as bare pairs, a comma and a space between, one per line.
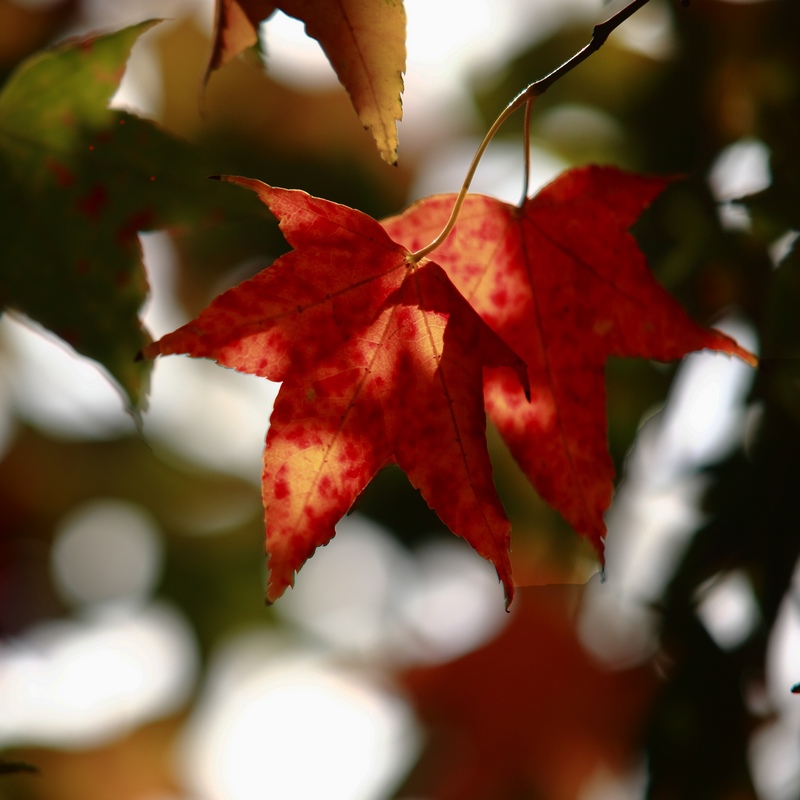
78, 181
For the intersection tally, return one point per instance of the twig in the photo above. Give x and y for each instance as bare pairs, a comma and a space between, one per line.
600, 33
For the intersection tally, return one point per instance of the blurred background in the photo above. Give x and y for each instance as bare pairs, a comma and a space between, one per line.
137, 660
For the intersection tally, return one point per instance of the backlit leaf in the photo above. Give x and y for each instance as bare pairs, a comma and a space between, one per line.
381, 362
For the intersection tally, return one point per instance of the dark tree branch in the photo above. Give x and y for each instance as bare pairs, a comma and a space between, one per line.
600, 34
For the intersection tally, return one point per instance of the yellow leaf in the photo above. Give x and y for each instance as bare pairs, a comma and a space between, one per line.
364, 41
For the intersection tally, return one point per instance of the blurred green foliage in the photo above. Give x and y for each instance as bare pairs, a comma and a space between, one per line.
79, 180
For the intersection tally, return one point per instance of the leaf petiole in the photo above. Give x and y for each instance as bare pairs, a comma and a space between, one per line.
417, 256
526, 144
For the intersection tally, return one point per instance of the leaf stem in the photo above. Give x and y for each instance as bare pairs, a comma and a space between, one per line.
496, 125
526, 144
600, 34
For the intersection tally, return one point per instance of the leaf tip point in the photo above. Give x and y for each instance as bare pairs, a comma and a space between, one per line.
508, 589
751, 359
524, 380
135, 413
149, 352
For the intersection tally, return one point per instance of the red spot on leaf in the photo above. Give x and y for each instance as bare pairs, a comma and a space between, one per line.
297, 436
499, 298
140, 221
94, 203
63, 175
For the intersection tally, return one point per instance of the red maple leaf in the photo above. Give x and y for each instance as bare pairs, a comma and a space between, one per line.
564, 283
530, 713
381, 360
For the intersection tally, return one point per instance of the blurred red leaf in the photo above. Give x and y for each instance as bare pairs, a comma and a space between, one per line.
363, 40
381, 361
565, 285
530, 714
